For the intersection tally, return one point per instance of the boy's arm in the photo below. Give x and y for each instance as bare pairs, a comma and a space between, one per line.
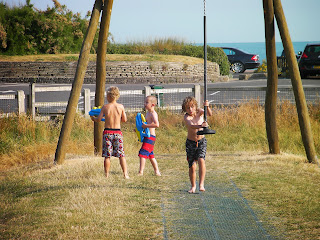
100, 116
123, 115
209, 110
200, 111
190, 124
154, 121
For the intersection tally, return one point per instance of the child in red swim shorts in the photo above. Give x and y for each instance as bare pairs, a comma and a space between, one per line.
112, 136
146, 150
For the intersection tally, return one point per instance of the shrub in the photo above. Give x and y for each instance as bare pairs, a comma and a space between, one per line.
26, 30
262, 68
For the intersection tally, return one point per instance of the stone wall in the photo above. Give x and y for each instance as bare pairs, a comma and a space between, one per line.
116, 72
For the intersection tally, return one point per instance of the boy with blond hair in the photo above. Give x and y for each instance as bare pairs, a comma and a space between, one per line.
147, 147
196, 145
112, 136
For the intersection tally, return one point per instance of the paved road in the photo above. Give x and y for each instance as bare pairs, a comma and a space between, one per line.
6, 88
214, 96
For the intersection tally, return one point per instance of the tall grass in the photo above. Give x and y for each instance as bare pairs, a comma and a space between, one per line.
238, 128
23, 140
152, 46
172, 46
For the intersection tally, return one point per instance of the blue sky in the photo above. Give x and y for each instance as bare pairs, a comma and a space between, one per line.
228, 21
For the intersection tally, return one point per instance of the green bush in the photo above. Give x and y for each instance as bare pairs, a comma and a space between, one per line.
26, 30
218, 55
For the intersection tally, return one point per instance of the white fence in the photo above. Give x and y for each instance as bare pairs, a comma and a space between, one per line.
133, 100
18, 107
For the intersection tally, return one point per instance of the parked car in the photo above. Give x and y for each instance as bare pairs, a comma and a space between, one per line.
309, 62
240, 60
282, 62
283, 54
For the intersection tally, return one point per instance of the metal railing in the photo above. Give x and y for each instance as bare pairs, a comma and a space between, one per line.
236, 96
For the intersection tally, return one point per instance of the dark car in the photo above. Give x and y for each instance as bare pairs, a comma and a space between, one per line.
283, 55
282, 61
309, 62
240, 60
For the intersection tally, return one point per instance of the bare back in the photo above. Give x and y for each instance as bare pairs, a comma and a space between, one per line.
114, 115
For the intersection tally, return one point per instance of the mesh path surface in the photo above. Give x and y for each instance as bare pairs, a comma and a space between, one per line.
219, 213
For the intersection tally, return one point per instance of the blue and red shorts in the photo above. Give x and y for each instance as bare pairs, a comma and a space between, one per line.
147, 147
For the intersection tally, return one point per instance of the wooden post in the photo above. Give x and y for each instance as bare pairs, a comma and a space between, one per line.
101, 71
272, 81
197, 92
87, 102
21, 102
301, 104
77, 83
32, 100
147, 91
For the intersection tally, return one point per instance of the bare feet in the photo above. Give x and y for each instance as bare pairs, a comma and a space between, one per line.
140, 174
158, 174
126, 176
192, 190
202, 189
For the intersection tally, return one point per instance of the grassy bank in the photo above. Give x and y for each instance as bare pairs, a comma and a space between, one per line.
93, 57
74, 201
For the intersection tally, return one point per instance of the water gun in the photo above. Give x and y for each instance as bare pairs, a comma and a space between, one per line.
141, 132
95, 111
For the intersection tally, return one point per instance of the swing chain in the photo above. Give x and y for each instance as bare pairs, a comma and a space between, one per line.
204, 7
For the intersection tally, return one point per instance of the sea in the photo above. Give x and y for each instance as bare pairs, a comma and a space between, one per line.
259, 48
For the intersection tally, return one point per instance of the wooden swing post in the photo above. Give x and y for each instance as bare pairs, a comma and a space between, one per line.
77, 84
101, 71
301, 104
272, 81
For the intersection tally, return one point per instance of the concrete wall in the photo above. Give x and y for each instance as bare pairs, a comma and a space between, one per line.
116, 72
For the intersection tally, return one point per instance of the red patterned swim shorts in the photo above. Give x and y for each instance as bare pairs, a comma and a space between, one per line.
112, 143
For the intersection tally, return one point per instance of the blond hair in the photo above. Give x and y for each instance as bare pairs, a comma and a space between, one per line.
113, 93
153, 99
189, 101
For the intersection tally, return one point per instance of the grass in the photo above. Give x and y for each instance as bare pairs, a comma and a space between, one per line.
283, 189
39, 200
76, 201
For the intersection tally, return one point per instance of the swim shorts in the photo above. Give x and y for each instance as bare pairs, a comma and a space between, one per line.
112, 143
147, 147
196, 150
